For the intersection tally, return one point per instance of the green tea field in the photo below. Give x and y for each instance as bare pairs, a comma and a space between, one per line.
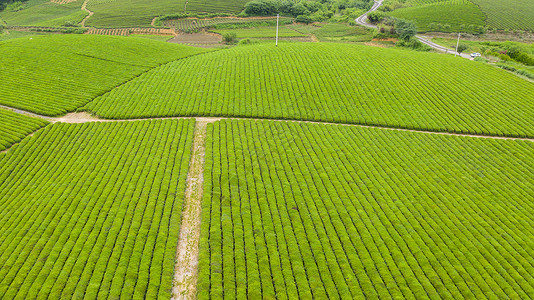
331, 83
466, 15
91, 210
14, 127
328, 212
51, 75
448, 16
334, 165
513, 15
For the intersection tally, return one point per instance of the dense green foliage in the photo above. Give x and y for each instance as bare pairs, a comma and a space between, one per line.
14, 127
54, 74
45, 13
509, 14
99, 213
6, 3
335, 83
130, 13
445, 16
405, 29
301, 211
306, 11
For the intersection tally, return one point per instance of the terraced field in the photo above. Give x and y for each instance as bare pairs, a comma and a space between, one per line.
512, 14
458, 15
289, 209
51, 75
14, 127
45, 13
197, 24
316, 211
444, 16
333, 83
92, 210
140, 13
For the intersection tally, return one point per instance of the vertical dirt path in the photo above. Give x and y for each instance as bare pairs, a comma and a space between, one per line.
186, 267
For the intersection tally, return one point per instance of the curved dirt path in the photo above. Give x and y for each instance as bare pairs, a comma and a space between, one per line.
83, 117
362, 20
84, 8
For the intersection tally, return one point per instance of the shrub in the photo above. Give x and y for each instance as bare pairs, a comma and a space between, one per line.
413, 44
229, 38
246, 41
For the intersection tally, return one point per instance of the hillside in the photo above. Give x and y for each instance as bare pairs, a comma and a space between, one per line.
446, 16
54, 74
346, 162
131, 13
14, 127
465, 15
45, 13
302, 211
100, 215
331, 83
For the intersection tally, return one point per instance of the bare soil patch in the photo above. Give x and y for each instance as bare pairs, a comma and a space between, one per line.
62, 1
203, 38
78, 117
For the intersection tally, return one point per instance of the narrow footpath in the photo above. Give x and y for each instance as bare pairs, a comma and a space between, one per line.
186, 267
83, 117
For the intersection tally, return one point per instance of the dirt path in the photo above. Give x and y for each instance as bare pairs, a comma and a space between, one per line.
84, 8
186, 267
83, 117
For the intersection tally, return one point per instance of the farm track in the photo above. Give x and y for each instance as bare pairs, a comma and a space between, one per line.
83, 117
84, 8
186, 266
362, 20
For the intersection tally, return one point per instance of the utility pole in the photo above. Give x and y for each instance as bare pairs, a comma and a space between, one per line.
457, 44
277, 18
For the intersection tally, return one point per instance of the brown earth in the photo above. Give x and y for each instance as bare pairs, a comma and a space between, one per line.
202, 38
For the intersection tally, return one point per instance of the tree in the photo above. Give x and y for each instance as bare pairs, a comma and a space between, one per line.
405, 29
462, 48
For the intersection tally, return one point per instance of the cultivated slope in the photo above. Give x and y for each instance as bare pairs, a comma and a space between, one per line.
510, 14
300, 211
14, 127
446, 16
334, 83
54, 74
93, 210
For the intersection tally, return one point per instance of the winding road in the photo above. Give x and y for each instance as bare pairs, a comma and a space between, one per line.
362, 20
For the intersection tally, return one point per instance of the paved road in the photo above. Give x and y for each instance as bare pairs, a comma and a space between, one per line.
362, 20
